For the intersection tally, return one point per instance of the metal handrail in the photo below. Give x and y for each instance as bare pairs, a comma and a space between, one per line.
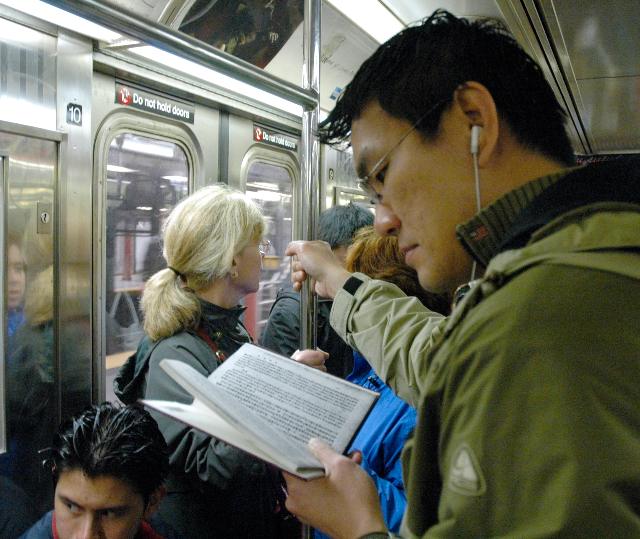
310, 163
163, 37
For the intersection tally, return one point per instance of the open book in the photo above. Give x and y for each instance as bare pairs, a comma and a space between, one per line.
270, 406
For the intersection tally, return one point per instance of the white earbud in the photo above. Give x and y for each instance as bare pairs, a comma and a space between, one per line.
475, 139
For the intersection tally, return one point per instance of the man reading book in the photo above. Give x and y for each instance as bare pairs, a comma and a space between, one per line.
528, 418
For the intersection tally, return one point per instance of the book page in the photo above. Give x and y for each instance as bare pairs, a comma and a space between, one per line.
293, 398
285, 452
202, 417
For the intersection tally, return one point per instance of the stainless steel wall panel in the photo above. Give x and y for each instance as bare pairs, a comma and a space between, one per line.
29, 352
173, 81
600, 38
75, 217
612, 113
527, 24
28, 81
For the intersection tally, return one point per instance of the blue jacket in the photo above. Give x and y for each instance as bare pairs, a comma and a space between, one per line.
381, 439
43, 529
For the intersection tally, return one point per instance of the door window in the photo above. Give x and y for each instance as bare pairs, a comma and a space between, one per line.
145, 179
270, 186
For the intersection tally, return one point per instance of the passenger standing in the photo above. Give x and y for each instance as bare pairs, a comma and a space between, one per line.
213, 245
529, 396
336, 226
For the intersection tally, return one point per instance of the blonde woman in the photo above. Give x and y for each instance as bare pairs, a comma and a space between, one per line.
213, 246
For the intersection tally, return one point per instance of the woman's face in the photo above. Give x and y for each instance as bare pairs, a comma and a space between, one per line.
16, 277
248, 265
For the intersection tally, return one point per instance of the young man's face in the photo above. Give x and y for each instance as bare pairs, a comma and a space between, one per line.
102, 507
426, 189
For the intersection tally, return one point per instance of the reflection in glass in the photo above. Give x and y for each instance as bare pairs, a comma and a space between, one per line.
270, 186
146, 178
29, 350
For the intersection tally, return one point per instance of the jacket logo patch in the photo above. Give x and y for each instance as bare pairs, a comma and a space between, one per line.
465, 476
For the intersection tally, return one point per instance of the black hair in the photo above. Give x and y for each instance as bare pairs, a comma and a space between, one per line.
338, 224
422, 66
109, 440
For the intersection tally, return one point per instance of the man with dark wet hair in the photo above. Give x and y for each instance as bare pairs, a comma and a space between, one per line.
108, 464
528, 394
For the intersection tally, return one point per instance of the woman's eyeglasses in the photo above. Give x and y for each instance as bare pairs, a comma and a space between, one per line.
264, 247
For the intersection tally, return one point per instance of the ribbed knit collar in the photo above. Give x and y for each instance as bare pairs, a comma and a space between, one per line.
483, 234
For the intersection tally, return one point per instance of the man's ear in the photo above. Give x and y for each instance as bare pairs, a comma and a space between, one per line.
154, 501
478, 106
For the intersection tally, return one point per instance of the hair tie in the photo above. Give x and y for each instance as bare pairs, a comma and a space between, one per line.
178, 274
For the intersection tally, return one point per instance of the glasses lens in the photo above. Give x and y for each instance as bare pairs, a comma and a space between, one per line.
264, 247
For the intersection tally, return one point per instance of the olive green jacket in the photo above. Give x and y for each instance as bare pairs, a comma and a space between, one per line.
529, 393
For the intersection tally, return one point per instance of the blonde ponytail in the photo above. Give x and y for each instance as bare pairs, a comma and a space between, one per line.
168, 307
201, 236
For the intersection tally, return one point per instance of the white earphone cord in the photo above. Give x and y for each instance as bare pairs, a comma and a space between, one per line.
476, 173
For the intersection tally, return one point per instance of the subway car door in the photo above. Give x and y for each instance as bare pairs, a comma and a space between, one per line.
29, 164
144, 164
263, 162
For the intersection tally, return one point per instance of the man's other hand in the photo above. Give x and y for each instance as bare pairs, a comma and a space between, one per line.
311, 358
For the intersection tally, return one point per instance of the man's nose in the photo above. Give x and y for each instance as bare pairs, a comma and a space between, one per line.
90, 528
386, 222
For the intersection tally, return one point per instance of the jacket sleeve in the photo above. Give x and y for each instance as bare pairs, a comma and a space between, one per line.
282, 332
393, 331
198, 455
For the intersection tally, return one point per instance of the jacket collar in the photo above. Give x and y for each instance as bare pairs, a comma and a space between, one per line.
510, 221
482, 235
215, 318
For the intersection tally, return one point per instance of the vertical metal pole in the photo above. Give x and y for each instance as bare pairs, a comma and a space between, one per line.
310, 160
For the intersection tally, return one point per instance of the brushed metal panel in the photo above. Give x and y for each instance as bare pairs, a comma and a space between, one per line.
75, 216
31, 362
612, 113
28, 76
601, 38
525, 22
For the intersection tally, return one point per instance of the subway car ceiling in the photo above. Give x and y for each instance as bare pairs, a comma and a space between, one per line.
588, 54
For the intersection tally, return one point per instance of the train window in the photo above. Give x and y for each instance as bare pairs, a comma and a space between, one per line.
270, 186
145, 178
